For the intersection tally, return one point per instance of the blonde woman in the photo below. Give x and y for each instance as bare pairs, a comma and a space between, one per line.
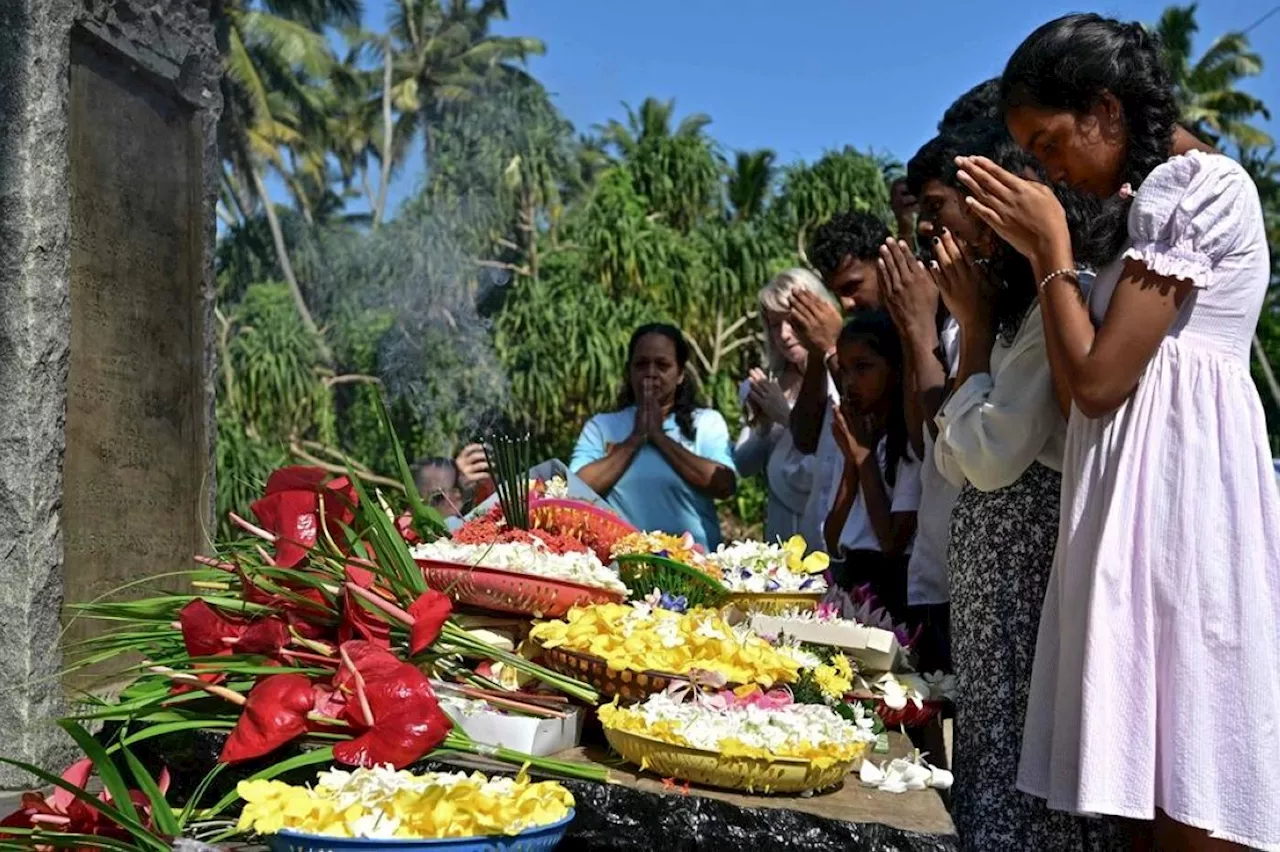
767, 397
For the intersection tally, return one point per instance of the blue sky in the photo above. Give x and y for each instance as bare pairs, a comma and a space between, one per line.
806, 76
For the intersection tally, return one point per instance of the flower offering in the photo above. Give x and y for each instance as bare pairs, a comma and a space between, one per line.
747, 728
680, 549
638, 637
530, 556
756, 567
387, 804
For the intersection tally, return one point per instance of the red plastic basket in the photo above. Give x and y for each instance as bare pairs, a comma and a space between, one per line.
574, 517
511, 591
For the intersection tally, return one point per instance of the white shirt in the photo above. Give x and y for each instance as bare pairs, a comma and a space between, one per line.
827, 468
927, 573
997, 424
857, 533
788, 472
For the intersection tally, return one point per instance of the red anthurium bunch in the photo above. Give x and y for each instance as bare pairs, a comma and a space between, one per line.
391, 704
61, 811
387, 703
290, 509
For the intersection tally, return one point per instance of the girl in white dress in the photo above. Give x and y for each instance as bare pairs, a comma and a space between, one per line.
1155, 693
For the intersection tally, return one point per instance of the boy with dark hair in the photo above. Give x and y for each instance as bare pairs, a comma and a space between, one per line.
844, 251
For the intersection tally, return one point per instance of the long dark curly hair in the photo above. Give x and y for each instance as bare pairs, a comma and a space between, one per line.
686, 401
1068, 64
876, 329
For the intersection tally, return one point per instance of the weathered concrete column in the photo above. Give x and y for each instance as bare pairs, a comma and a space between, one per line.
108, 178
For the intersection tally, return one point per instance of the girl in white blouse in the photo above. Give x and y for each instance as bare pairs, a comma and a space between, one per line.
765, 441
1000, 438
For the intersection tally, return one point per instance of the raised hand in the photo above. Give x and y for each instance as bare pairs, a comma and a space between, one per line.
768, 398
851, 434
817, 322
909, 290
961, 282
1025, 213
472, 466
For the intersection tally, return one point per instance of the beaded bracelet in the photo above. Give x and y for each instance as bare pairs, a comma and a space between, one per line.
1052, 275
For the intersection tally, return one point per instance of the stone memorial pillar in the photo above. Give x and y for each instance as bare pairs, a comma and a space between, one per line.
108, 178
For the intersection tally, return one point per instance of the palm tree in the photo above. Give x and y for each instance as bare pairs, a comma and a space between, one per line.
1211, 104
443, 55
652, 121
272, 105
750, 182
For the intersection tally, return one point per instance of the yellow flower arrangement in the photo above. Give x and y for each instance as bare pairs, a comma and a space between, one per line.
834, 678
383, 803
636, 637
676, 548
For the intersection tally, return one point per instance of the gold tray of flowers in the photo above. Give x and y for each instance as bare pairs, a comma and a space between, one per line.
669, 737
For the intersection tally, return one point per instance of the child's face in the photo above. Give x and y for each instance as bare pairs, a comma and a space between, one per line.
865, 377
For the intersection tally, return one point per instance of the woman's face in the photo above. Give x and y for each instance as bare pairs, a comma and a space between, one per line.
1083, 150
942, 206
865, 377
653, 368
783, 337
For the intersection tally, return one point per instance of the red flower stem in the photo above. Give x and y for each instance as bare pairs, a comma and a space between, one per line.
252, 529
214, 563
310, 658
378, 602
229, 694
523, 696
363, 563
190, 679
509, 703
216, 587
360, 693
266, 557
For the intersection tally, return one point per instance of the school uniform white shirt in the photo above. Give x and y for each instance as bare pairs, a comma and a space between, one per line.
927, 573
857, 532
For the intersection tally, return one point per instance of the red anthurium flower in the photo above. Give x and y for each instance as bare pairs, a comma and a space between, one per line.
290, 508
359, 623
264, 636
275, 713
60, 811
430, 611
206, 632
392, 705
204, 628
404, 525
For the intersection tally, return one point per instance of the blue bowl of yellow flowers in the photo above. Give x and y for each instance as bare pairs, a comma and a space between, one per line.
382, 808
540, 839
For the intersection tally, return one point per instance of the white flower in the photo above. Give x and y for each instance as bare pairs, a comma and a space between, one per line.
903, 774
534, 558
870, 774
757, 567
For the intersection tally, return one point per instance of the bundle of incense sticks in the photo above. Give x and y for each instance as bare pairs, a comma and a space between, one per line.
509, 458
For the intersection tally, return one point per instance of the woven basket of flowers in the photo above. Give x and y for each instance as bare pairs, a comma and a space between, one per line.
713, 741
627, 685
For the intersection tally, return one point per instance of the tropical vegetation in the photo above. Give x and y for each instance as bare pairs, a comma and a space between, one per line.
501, 294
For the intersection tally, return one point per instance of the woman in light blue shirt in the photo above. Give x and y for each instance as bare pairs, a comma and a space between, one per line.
660, 460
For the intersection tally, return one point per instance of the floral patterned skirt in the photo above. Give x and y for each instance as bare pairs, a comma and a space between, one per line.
1002, 545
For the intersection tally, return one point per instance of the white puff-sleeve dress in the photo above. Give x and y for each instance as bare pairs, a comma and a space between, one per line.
1156, 680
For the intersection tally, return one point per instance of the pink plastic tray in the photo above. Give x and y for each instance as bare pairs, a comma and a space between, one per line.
511, 591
